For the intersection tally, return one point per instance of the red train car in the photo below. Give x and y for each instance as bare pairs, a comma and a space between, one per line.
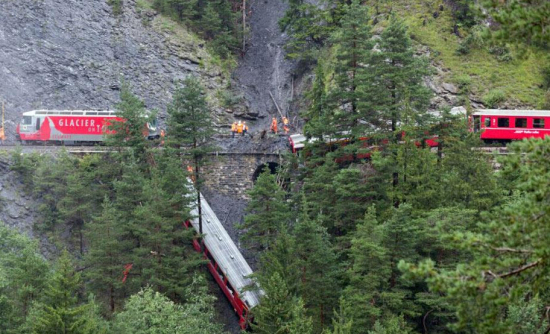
70, 126
496, 125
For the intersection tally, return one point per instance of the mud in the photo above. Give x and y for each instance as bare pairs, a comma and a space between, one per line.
264, 69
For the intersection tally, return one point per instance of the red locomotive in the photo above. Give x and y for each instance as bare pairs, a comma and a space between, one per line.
70, 126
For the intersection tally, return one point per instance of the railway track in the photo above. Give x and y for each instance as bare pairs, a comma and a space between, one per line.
499, 150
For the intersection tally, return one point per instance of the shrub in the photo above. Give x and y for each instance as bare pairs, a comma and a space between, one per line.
117, 6
493, 98
464, 82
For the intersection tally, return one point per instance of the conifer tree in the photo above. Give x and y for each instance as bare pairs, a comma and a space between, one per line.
354, 48
60, 310
309, 27
23, 272
267, 213
190, 126
128, 131
281, 258
319, 283
368, 274
151, 312
279, 311
165, 256
394, 81
508, 249
108, 253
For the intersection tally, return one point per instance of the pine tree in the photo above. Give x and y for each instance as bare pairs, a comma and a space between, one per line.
319, 283
267, 213
508, 250
128, 130
60, 310
23, 272
279, 311
151, 312
108, 253
210, 22
190, 125
165, 255
309, 27
368, 274
393, 84
354, 48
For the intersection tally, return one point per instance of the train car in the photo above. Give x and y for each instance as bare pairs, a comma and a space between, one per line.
70, 126
226, 263
503, 126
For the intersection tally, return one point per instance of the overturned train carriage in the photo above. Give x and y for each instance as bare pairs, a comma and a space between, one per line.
226, 264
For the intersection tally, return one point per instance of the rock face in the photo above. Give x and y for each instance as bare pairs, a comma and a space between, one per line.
18, 209
72, 54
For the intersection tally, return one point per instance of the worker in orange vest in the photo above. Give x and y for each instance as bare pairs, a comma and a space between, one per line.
233, 129
285, 125
240, 127
162, 134
245, 128
274, 125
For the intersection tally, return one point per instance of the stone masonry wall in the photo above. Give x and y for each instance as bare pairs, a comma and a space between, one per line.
232, 174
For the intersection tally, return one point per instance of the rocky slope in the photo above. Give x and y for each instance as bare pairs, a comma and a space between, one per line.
71, 54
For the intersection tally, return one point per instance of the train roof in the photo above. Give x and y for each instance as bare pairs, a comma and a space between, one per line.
70, 113
502, 112
227, 255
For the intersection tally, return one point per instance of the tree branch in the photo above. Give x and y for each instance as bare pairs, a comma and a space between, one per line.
507, 249
520, 269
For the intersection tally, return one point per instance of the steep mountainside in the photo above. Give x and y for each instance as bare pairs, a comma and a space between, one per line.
69, 54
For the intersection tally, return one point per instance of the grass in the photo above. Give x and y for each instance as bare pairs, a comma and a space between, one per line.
519, 79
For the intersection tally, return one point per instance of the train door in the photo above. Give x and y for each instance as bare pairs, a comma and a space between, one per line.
38, 124
477, 123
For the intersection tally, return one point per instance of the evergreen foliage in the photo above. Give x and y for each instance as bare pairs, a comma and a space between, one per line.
268, 213
190, 126
508, 250
218, 21
59, 310
280, 311
151, 312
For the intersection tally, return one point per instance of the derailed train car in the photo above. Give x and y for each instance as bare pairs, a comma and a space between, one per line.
71, 126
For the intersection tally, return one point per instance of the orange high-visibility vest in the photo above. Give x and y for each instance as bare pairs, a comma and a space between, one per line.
234, 127
239, 128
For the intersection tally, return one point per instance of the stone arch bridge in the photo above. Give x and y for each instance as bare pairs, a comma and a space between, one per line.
232, 174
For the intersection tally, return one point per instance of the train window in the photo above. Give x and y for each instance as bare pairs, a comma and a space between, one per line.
91, 113
65, 113
487, 122
27, 120
76, 113
521, 122
103, 113
503, 122
538, 123
41, 112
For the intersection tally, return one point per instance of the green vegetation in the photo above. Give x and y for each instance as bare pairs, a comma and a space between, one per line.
122, 213
117, 6
217, 21
455, 36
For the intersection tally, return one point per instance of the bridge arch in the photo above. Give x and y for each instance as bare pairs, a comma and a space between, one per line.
272, 166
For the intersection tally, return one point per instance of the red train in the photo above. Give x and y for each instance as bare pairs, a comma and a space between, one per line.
493, 125
70, 126
496, 125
